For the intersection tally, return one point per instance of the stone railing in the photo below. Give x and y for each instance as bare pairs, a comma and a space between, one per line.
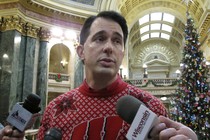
58, 77
58, 82
148, 82
156, 86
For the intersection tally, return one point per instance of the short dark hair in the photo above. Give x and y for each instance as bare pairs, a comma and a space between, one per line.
112, 15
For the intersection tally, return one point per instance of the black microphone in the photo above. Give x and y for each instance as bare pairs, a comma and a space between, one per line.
53, 134
31, 103
23, 115
127, 107
134, 112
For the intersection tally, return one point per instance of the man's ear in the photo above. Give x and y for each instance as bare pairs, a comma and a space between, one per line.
80, 51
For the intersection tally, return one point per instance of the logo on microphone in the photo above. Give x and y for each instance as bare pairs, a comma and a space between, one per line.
16, 116
141, 124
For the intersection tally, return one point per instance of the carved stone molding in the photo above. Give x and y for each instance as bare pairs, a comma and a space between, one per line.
155, 48
44, 34
31, 30
12, 23
51, 12
205, 26
41, 15
17, 23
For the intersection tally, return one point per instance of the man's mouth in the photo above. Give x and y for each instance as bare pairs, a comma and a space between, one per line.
107, 62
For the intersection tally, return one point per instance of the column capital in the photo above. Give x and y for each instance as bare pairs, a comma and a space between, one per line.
17, 23
31, 30
11, 23
44, 34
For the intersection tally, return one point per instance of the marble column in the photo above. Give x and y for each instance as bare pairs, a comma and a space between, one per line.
21, 61
10, 44
42, 72
17, 51
79, 72
29, 67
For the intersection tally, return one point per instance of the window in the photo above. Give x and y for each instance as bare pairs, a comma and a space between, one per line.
156, 24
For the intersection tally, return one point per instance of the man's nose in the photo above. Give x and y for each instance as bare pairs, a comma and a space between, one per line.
108, 47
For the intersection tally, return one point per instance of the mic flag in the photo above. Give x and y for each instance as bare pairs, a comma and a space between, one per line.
138, 115
23, 115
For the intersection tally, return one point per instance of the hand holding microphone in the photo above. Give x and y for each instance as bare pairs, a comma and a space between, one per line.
145, 125
8, 133
22, 117
138, 115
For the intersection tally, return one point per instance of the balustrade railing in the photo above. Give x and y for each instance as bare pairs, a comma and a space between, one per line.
145, 82
59, 77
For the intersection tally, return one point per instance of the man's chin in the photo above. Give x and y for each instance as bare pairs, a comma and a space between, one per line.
107, 72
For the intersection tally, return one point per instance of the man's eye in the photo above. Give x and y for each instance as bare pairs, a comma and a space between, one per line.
99, 39
117, 41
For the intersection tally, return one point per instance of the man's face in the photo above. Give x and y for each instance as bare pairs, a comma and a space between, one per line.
104, 48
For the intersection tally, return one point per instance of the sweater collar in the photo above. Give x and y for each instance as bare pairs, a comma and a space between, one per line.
117, 86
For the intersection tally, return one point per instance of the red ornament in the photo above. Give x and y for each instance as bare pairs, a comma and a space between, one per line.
196, 104
202, 96
59, 75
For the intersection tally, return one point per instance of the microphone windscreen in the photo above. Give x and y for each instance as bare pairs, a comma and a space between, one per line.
31, 103
127, 107
53, 134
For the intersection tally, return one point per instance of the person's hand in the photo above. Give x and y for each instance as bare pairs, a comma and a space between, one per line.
8, 133
170, 130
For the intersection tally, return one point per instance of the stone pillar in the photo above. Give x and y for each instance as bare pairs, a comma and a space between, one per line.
9, 67
79, 72
29, 62
17, 45
42, 72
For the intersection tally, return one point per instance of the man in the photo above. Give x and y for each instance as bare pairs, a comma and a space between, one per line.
88, 112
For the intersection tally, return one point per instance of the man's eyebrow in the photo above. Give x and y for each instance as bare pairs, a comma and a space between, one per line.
99, 33
118, 34
104, 32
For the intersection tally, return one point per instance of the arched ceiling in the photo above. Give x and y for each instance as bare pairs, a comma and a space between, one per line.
81, 8
160, 28
76, 11
72, 13
133, 10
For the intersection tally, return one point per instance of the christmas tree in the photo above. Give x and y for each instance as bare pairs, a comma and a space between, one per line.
191, 104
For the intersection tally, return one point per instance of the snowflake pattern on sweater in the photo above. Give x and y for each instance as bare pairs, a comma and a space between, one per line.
85, 114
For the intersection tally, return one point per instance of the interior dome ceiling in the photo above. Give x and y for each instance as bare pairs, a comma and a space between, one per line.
132, 10
70, 13
74, 7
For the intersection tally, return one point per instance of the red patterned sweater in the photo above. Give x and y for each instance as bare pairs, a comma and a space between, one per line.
85, 114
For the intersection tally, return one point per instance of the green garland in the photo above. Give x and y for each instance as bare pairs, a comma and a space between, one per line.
146, 82
58, 77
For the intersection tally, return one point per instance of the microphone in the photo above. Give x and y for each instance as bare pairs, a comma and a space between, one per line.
134, 112
23, 115
53, 134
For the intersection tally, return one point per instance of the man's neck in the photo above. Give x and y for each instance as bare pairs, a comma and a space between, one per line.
100, 83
